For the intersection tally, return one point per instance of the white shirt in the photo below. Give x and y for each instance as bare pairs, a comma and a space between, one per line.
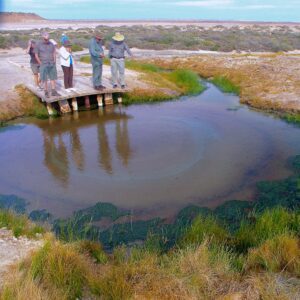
65, 57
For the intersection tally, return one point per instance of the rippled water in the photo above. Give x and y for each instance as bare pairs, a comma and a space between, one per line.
153, 159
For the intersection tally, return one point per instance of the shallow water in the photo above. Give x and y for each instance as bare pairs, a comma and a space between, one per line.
152, 159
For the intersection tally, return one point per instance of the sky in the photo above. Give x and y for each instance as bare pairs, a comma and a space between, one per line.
243, 10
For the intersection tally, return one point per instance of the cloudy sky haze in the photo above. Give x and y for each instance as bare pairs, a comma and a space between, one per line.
252, 10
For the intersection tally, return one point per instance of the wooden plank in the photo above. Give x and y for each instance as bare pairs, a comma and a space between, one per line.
83, 88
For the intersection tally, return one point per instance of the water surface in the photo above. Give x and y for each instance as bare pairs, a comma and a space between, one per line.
153, 159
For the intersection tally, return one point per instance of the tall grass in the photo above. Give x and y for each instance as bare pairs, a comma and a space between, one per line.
225, 85
187, 80
204, 266
19, 224
30, 104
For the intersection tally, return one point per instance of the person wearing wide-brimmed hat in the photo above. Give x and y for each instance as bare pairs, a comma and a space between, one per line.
117, 50
97, 54
67, 63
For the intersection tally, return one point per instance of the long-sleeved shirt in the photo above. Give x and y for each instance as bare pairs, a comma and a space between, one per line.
117, 49
66, 58
96, 50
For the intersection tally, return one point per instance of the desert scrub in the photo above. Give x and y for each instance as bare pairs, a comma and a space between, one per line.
87, 60
225, 85
19, 224
30, 104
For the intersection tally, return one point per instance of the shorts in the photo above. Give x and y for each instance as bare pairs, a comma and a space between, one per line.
35, 68
48, 71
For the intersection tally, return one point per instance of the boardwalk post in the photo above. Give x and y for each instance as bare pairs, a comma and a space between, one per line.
64, 106
49, 109
74, 104
100, 100
108, 99
87, 103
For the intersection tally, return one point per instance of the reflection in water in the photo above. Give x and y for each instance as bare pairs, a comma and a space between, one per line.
122, 141
104, 149
56, 158
56, 153
76, 148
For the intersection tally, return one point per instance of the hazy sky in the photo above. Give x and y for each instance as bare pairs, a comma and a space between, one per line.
260, 10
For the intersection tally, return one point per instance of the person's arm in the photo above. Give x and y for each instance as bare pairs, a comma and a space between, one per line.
36, 53
110, 50
64, 53
54, 54
28, 47
127, 49
93, 50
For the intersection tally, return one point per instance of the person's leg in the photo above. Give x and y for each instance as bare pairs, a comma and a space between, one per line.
71, 76
65, 71
36, 79
96, 72
100, 73
121, 67
114, 75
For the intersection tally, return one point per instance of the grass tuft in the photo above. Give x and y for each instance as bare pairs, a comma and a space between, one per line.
225, 85
19, 224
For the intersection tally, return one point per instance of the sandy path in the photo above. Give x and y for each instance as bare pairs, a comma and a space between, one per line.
12, 250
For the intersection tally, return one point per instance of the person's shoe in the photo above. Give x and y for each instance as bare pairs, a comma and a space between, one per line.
123, 86
115, 86
46, 94
55, 93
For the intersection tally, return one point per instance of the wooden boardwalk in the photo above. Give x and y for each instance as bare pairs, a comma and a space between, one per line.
83, 88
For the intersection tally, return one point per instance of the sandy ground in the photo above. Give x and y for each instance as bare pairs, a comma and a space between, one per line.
15, 69
76, 24
13, 250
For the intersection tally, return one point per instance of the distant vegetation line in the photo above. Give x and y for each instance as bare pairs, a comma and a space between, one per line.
190, 37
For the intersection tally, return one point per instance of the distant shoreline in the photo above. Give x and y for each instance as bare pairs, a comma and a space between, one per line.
76, 24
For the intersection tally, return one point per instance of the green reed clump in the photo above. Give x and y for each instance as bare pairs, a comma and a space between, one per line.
187, 80
225, 85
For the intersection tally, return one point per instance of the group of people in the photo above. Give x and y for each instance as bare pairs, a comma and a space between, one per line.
43, 61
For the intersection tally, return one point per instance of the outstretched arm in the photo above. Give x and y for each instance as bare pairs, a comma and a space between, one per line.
127, 49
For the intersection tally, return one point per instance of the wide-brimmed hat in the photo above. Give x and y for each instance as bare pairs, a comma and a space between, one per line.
118, 37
